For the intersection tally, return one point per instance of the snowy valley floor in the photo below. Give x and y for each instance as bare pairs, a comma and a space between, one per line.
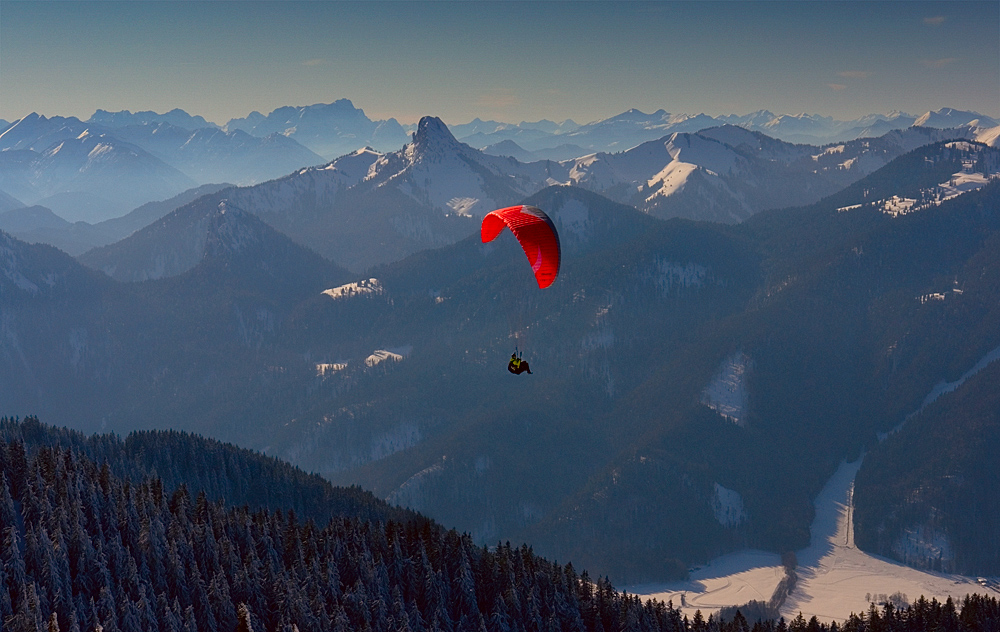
833, 575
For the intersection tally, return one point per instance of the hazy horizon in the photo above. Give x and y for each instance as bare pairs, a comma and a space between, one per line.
509, 61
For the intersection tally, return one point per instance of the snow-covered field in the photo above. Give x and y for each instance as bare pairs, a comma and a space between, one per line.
834, 577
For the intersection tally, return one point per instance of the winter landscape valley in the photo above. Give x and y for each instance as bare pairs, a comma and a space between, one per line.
657, 316
687, 432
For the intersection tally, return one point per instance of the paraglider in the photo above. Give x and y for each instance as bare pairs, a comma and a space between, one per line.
537, 235
534, 231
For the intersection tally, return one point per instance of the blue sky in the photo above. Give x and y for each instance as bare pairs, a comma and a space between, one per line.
510, 61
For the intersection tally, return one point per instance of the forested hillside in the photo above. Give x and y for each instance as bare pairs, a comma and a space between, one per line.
219, 470
82, 549
926, 496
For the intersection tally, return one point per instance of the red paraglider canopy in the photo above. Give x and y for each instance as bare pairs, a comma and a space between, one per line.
534, 231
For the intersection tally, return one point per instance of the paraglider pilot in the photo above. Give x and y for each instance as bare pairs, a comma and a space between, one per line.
537, 235
517, 366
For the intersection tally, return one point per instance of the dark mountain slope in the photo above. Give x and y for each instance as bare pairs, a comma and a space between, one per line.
210, 353
222, 471
55, 351
135, 354
85, 549
38, 224
631, 290
831, 357
925, 495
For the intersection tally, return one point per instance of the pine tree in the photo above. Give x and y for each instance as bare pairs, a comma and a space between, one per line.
7, 512
243, 618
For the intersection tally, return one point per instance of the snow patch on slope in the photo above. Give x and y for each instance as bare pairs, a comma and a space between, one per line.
671, 179
727, 505
920, 545
989, 136
836, 149
573, 220
726, 394
670, 275
354, 167
329, 368
463, 205
367, 287
396, 354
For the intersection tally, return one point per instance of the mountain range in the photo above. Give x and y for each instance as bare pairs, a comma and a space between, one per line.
87, 172
330, 130
83, 175
369, 208
258, 147
690, 376
631, 128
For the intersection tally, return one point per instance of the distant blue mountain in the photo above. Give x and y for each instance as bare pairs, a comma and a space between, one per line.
139, 161
177, 117
329, 129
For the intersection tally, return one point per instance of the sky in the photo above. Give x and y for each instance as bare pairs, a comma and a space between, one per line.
510, 61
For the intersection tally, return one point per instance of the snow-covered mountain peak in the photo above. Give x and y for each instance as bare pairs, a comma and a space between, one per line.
355, 167
432, 137
37, 133
21, 132
705, 152
759, 118
19, 126
950, 117
988, 136
638, 116
453, 178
